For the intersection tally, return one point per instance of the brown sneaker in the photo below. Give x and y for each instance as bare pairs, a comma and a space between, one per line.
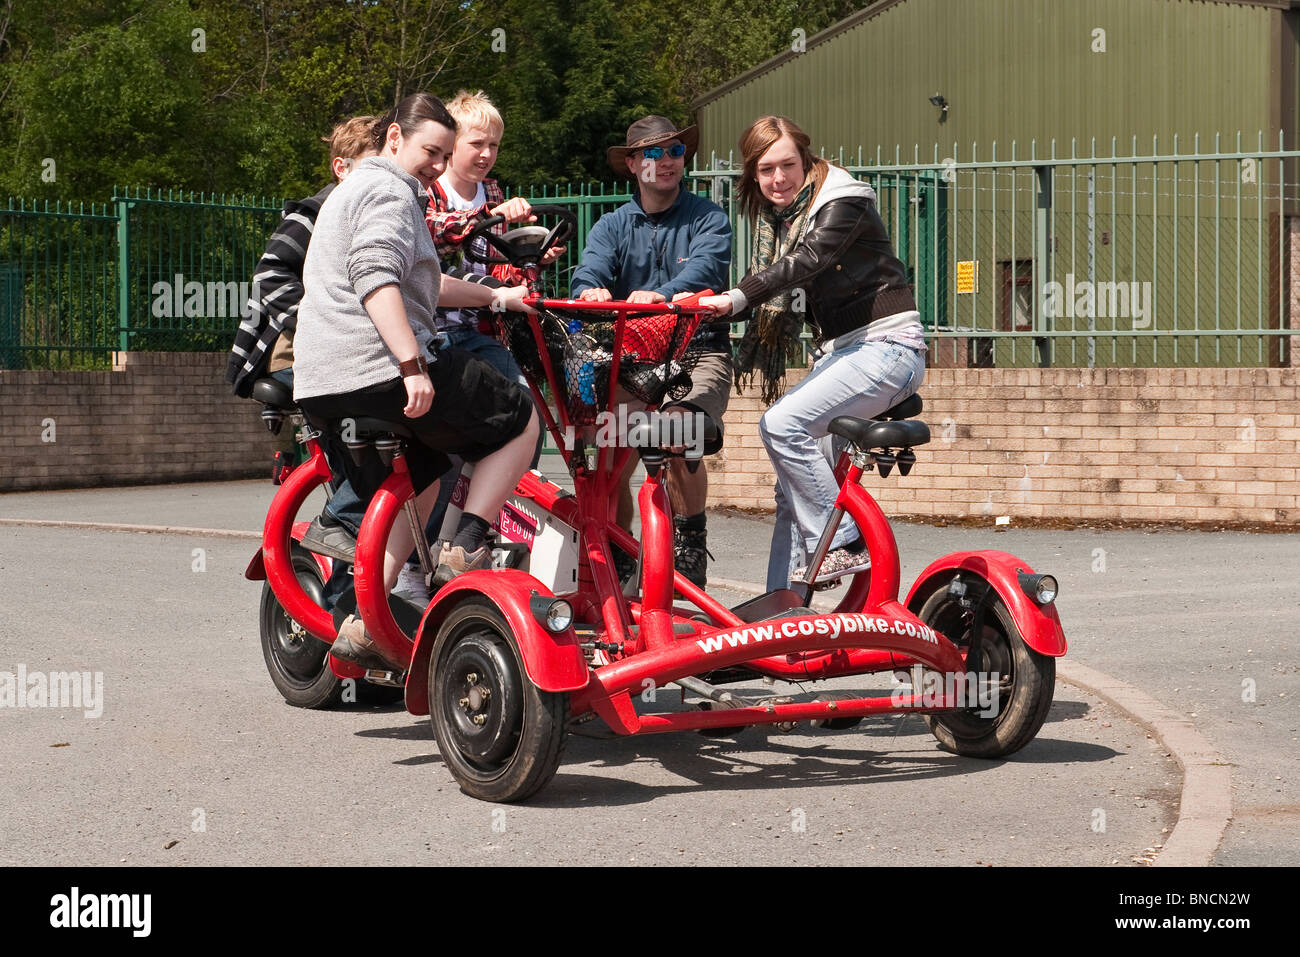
354, 645
453, 560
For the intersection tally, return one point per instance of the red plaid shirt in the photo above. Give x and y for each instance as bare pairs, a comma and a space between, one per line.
449, 227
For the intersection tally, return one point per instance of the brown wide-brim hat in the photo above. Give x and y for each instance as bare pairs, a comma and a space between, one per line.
649, 131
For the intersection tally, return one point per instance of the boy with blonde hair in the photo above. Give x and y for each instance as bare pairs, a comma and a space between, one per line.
462, 198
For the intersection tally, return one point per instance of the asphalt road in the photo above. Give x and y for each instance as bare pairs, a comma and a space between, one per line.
195, 759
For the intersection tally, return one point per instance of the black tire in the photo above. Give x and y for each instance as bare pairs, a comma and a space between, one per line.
1025, 690
516, 750
297, 662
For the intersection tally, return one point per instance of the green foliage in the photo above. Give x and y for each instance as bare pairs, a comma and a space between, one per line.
126, 92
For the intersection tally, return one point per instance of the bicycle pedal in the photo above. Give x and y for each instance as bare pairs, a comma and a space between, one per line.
389, 679
825, 585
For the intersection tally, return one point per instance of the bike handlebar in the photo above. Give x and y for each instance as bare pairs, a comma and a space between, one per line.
681, 307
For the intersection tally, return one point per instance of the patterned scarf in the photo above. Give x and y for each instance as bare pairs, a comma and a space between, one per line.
771, 339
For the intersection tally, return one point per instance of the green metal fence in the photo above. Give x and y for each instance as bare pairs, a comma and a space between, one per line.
150, 270
1164, 259
188, 261
58, 285
1167, 258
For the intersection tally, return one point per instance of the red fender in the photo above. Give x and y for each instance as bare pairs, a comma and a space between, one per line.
553, 662
1039, 625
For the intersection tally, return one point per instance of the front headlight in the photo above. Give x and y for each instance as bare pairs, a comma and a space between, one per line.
1041, 588
554, 614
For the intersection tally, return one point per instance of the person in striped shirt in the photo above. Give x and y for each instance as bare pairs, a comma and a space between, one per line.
264, 343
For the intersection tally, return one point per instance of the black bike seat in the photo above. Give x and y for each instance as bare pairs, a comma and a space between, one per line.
874, 434
272, 392
909, 408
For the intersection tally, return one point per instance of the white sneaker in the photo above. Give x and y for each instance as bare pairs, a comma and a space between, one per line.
411, 585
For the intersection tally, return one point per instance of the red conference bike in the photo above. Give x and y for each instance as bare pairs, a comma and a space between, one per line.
507, 661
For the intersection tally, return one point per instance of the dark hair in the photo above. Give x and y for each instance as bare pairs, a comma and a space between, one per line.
410, 114
757, 140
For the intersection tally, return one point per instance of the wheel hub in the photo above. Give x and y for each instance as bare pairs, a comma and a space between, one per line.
475, 700
481, 699
295, 650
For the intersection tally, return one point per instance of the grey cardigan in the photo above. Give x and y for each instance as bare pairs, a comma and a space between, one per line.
371, 232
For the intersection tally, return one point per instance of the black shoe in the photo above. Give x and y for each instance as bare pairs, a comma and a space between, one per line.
333, 541
690, 556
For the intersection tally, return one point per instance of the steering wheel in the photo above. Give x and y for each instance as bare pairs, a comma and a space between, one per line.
523, 246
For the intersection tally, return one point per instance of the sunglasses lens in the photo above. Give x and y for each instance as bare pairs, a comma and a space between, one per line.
676, 151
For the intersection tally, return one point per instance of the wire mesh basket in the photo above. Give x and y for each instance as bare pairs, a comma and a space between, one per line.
655, 358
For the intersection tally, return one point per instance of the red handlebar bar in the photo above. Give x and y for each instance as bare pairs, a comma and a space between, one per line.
688, 306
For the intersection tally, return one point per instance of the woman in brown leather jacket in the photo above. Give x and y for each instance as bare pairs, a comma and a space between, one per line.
821, 255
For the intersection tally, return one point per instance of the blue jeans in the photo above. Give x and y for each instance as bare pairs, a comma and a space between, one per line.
499, 357
861, 379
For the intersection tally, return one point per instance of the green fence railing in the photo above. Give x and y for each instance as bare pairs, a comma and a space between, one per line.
187, 264
58, 285
1168, 258
1038, 258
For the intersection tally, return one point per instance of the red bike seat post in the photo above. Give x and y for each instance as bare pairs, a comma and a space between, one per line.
882, 547
593, 491
656, 558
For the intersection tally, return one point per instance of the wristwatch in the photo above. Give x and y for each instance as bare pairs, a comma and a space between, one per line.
415, 366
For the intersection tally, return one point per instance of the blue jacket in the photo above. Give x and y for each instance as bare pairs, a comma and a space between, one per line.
687, 250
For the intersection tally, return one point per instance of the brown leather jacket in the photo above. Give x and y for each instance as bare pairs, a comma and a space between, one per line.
845, 264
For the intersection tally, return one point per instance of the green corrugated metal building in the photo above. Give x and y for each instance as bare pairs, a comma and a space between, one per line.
1143, 143
1026, 69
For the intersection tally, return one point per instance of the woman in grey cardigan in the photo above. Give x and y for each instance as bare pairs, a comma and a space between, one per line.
365, 341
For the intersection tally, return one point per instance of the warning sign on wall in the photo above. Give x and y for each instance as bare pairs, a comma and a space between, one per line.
968, 277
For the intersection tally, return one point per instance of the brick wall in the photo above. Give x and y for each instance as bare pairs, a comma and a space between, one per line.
1188, 445
157, 417
1200, 445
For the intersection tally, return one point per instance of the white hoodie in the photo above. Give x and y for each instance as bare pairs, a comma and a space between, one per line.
906, 326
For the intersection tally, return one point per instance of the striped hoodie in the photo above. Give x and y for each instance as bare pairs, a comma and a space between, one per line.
277, 291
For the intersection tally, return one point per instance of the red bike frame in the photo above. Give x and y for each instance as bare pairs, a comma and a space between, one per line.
650, 641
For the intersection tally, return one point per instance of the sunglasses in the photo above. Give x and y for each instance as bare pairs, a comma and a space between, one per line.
676, 151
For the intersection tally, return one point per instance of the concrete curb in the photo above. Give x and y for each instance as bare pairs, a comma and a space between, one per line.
150, 529
1206, 805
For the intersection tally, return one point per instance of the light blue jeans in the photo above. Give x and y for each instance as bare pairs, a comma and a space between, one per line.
861, 379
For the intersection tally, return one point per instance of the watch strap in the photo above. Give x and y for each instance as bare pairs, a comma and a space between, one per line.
417, 366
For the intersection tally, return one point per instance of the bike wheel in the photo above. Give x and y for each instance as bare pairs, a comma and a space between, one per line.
297, 662
1026, 679
500, 736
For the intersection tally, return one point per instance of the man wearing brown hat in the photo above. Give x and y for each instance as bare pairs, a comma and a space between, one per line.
665, 244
